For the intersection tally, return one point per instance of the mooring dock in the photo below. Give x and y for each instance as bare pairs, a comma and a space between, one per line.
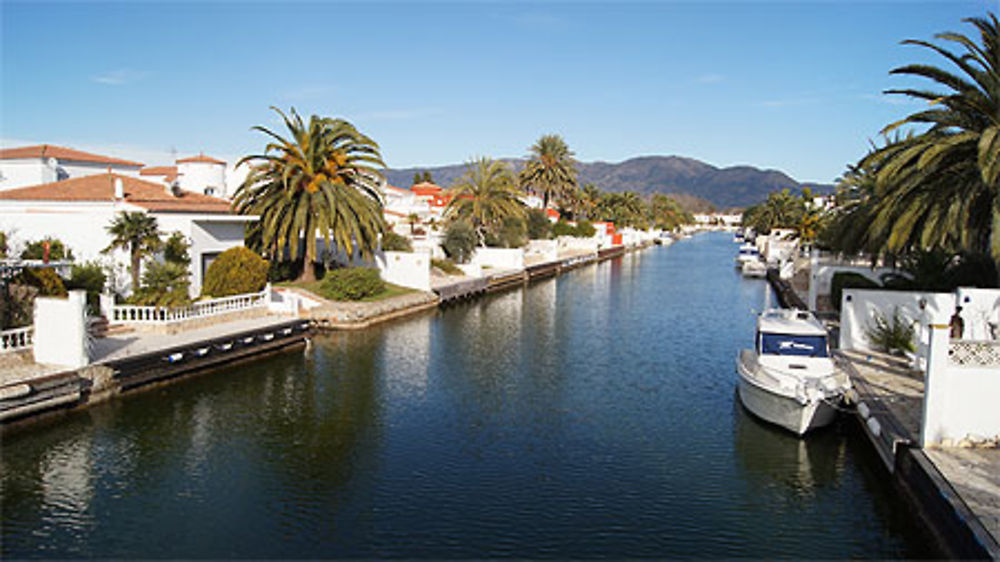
956, 490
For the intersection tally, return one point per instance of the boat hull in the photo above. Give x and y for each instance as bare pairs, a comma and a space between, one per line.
782, 410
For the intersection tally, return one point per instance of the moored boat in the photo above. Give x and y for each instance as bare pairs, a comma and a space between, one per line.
747, 252
788, 379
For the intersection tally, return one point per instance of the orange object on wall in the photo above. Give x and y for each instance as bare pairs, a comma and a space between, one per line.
616, 239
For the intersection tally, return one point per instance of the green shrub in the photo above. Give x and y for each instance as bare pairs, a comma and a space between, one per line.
584, 229
3, 244
48, 283
459, 241
893, 335
235, 272
89, 277
392, 242
163, 284
447, 267
352, 284
511, 233
848, 280
57, 250
539, 226
563, 228
175, 249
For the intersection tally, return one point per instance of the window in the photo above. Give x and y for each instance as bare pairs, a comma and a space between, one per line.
796, 345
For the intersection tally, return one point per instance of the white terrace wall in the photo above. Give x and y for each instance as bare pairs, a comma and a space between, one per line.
61, 330
499, 258
858, 307
961, 390
547, 250
407, 269
574, 243
980, 312
821, 277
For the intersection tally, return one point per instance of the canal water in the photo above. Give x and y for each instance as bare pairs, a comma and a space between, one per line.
592, 415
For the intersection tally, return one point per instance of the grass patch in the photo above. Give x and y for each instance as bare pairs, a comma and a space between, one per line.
316, 287
447, 266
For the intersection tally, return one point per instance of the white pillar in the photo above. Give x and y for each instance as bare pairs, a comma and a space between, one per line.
107, 306
813, 279
61, 330
932, 426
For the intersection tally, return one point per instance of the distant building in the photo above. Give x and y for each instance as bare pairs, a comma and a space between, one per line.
46, 163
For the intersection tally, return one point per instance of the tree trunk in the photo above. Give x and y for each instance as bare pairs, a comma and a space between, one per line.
308, 274
136, 262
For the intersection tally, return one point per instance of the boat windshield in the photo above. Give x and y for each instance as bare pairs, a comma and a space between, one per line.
789, 344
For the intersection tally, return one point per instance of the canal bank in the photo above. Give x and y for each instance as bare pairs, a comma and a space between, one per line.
587, 415
955, 492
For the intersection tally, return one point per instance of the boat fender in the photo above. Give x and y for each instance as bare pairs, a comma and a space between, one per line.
874, 426
202, 352
863, 410
248, 340
174, 357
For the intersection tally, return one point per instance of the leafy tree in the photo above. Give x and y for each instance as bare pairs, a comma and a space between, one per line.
667, 213
624, 209
539, 226
780, 210
163, 284
941, 187
550, 171
176, 249
392, 242
588, 201
510, 233
58, 251
90, 277
485, 196
460, 240
138, 234
322, 181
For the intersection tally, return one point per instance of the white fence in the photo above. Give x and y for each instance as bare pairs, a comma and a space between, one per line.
127, 314
17, 339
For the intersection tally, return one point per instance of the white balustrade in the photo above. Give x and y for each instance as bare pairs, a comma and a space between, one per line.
17, 339
128, 314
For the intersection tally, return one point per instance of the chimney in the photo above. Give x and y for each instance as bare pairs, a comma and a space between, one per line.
119, 189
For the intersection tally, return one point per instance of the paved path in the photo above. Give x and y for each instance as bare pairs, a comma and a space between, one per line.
126, 345
973, 473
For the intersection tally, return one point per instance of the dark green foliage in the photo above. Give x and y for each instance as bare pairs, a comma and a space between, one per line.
352, 283
847, 280
421, 177
163, 284
57, 250
392, 242
511, 233
584, 229
446, 266
892, 335
17, 306
45, 279
175, 249
539, 226
89, 277
940, 271
459, 241
3, 244
235, 272
563, 228
288, 270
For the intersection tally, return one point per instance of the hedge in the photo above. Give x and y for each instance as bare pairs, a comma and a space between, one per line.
235, 272
848, 280
352, 284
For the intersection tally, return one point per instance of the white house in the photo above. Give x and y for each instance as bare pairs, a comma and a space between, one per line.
196, 174
45, 163
78, 210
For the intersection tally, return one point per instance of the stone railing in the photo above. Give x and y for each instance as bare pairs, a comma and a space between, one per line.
127, 314
974, 353
18, 339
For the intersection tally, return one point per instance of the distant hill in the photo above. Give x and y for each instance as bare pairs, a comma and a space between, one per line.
738, 186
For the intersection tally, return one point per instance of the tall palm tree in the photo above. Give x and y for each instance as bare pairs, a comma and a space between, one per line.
321, 181
941, 187
550, 171
137, 233
485, 195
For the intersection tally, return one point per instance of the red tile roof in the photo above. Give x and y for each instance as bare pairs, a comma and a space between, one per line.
201, 158
61, 153
169, 173
425, 188
101, 187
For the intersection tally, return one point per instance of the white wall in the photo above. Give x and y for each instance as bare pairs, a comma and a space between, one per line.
499, 258
548, 250
824, 274
208, 235
406, 269
22, 172
198, 176
980, 308
858, 307
61, 330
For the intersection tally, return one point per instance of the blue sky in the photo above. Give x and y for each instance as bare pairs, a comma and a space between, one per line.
794, 86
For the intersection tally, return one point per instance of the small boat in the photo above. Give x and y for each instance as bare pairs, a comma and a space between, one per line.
748, 252
788, 379
738, 238
755, 268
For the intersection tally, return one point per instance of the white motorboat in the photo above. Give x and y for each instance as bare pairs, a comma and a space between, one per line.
748, 252
754, 268
788, 378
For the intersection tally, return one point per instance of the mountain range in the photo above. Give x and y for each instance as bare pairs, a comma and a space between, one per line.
736, 186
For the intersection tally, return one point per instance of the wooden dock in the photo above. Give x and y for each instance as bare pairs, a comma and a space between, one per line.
956, 491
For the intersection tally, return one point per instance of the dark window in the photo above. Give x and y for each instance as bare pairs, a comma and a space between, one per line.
787, 344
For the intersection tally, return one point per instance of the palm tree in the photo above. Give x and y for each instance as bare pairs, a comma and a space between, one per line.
940, 188
590, 198
551, 170
485, 195
413, 219
321, 181
137, 233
